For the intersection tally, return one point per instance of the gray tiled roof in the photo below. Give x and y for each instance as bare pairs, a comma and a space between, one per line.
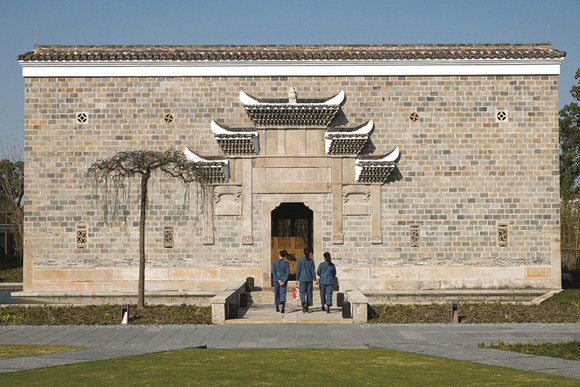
290, 52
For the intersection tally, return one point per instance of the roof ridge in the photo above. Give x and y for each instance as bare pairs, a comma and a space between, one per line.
291, 52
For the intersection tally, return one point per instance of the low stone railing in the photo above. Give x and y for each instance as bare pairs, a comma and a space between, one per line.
224, 305
358, 302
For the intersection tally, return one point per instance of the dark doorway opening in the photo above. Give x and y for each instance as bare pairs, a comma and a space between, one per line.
292, 230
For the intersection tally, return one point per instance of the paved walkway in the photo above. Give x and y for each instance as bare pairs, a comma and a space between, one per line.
453, 341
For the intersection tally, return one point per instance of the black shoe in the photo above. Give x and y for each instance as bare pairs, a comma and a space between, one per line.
307, 309
323, 308
277, 308
304, 307
328, 309
283, 308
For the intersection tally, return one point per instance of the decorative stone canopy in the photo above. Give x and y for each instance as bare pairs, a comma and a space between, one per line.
347, 141
373, 169
303, 113
217, 170
236, 142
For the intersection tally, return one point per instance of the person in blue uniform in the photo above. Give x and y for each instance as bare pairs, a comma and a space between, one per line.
305, 274
280, 274
326, 273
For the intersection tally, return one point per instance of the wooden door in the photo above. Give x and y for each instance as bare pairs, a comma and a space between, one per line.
294, 246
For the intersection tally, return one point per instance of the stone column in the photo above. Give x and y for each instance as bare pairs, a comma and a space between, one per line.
247, 230
376, 215
208, 213
336, 189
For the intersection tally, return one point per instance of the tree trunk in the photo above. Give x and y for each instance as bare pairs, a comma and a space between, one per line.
141, 290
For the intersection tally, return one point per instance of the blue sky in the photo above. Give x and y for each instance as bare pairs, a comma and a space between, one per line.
24, 22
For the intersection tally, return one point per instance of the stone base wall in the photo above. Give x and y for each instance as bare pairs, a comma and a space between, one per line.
107, 281
434, 278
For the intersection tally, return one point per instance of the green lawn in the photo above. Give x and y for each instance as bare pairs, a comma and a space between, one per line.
281, 367
569, 350
9, 351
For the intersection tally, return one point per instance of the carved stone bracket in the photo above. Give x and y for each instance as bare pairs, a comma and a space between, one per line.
356, 200
227, 200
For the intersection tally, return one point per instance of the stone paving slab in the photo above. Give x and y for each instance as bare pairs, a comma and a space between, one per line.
453, 341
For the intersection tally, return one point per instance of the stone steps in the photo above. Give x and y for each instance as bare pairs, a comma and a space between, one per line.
261, 310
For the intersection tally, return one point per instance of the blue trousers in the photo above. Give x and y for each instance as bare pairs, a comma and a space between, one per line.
306, 292
279, 293
326, 294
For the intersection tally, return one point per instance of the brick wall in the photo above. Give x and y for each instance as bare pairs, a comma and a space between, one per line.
461, 172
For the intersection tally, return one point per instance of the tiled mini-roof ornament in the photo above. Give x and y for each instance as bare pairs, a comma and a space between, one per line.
372, 169
303, 113
292, 95
217, 170
236, 142
349, 141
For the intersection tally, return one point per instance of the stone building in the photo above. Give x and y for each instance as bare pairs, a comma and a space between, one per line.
420, 168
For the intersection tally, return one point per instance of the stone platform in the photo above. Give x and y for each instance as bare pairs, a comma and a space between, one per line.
261, 310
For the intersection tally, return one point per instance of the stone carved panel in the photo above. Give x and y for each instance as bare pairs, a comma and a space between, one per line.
356, 200
227, 200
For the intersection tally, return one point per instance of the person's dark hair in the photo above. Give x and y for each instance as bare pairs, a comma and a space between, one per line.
283, 253
307, 252
327, 257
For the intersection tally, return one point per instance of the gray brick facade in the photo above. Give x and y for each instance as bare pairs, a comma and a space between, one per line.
462, 171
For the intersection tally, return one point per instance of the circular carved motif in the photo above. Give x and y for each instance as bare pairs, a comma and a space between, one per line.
168, 117
414, 117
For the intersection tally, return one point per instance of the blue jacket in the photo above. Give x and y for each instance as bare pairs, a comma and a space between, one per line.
326, 271
280, 270
305, 270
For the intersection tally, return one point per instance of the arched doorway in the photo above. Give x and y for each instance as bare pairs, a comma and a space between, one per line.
292, 229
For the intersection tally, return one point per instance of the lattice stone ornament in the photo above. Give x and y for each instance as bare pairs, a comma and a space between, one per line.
414, 235
502, 234
168, 237
81, 236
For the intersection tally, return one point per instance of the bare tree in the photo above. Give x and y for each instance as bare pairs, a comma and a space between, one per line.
12, 193
123, 165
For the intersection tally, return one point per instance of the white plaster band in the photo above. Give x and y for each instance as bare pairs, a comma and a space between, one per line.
302, 68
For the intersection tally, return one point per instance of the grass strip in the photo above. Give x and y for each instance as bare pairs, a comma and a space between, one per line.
10, 351
569, 350
281, 367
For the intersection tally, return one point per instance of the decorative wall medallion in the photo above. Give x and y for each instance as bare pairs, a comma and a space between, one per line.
501, 116
82, 117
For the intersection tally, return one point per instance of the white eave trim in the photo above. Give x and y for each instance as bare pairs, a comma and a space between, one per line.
291, 68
